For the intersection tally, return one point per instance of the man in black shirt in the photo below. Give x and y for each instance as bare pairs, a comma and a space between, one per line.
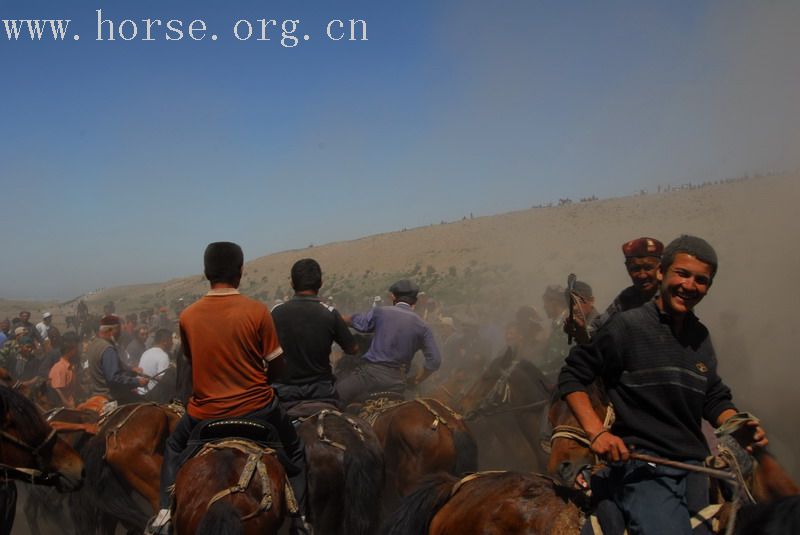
307, 327
642, 259
660, 373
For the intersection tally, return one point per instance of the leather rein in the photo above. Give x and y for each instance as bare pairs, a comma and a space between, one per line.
31, 475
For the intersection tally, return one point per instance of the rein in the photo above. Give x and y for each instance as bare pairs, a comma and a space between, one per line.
29, 474
580, 436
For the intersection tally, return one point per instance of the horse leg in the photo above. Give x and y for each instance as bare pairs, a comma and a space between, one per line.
146, 478
8, 506
31, 510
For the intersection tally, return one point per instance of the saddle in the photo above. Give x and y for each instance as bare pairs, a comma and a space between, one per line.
259, 432
219, 430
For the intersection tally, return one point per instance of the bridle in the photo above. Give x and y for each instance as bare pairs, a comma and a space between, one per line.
32, 475
499, 395
577, 434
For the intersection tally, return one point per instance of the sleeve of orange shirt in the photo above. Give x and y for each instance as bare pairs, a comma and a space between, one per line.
271, 348
58, 377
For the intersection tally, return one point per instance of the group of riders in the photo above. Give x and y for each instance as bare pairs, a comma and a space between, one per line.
651, 353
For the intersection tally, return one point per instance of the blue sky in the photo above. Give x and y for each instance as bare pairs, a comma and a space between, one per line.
120, 160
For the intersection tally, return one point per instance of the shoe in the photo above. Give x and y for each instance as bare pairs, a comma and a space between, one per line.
161, 524
299, 526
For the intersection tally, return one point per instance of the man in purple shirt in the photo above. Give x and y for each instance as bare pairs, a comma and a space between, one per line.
399, 334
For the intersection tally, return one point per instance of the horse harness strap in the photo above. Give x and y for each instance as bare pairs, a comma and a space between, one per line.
374, 408
253, 464
113, 433
27, 447
437, 418
321, 428
320, 416
472, 477
577, 434
27, 474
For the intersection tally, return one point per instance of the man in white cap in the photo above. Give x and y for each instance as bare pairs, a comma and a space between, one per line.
43, 327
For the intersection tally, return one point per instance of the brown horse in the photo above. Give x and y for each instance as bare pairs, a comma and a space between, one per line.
76, 427
488, 503
422, 437
233, 486
345, 473
30, 451
510, 392
125, 457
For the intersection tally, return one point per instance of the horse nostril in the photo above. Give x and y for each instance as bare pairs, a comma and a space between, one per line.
565, 470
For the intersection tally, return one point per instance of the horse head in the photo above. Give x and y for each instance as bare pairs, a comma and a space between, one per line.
30, 450
570, 454
507, 384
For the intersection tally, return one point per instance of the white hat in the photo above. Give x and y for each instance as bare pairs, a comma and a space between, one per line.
46, 315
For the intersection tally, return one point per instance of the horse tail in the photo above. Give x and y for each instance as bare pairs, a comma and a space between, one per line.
417, 510
106, 491
466, 452
221, 519
363, 484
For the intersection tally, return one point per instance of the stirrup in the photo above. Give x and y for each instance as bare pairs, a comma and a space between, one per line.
161, 524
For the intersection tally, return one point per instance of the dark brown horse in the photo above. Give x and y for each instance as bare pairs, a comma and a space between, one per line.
30, 451
345, 473
510, 392
488, 503
422, 437
230, 487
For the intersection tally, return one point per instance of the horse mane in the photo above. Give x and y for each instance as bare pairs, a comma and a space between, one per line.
31, 425
417, 510
105, 487
364, 480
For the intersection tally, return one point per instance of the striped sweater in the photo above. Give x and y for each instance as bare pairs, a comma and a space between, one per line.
661, 385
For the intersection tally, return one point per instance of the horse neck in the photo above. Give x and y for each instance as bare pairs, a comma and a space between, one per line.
770, 480
527, 386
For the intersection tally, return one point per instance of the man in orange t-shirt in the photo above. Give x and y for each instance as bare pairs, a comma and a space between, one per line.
62, 374
232, 349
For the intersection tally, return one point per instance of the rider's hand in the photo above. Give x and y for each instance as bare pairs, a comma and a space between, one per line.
610, 447
143, 381
751, 436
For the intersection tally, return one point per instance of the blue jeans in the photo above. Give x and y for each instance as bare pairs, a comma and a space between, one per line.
654, 500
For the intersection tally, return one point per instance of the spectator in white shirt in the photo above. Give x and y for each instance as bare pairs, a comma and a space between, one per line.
156, 359
44, 326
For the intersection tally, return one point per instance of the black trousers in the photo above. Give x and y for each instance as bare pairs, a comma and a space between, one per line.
272, 414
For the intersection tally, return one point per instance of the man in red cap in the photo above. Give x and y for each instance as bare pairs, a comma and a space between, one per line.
642, 260
108, 376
